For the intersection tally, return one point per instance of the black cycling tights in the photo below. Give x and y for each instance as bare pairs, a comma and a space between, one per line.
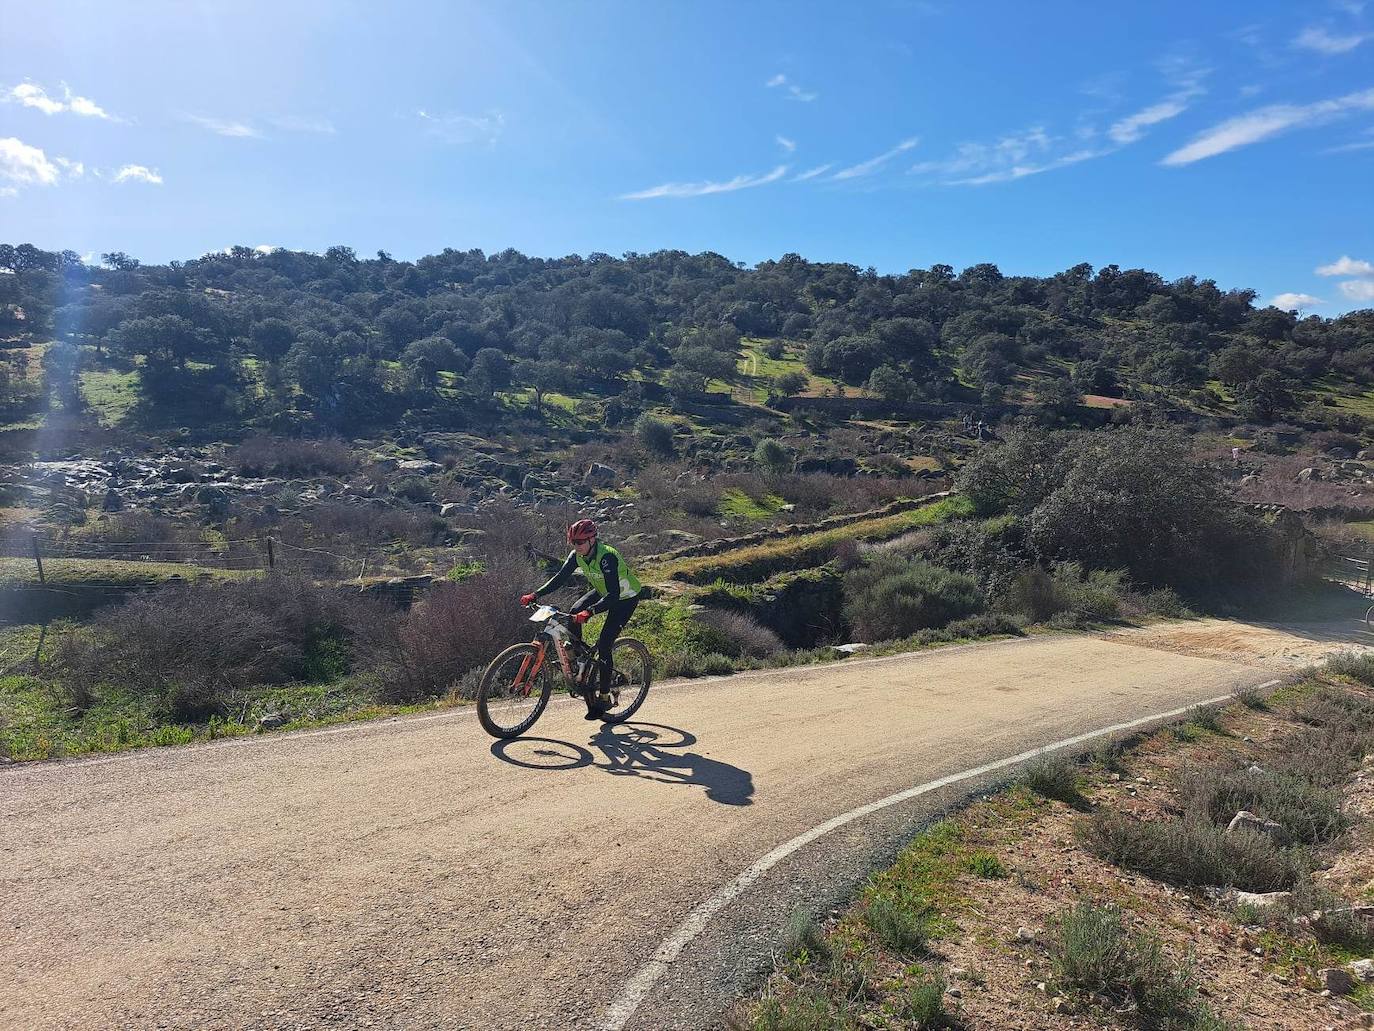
616, 617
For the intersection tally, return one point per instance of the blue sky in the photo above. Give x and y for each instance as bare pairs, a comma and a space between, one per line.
1230, 141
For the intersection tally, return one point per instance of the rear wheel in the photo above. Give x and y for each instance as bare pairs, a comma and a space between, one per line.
513, 694
630, 681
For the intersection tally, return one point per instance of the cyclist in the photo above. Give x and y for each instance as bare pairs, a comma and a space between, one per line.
614, 590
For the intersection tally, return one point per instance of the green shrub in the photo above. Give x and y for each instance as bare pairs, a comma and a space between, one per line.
772, 457
900, 920
1192, 852
921, 1000
890, 597
1094, 954
1308, 813
1053, 777
802, 938
1355, 665
987, 624
654, 435
1253, 699
1207, 717
986, 865
692, 664
802, 1010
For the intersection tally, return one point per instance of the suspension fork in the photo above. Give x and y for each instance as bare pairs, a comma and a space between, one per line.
530, 667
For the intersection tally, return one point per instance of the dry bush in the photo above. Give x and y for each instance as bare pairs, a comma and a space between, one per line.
745, 634
1308, 813
187, 651
1193, 852
294, 459
1278, 484
362, 526
453, 630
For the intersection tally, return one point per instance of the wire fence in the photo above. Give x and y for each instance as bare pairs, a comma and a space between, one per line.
92, 565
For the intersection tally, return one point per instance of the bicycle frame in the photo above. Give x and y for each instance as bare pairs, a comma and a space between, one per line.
565, 645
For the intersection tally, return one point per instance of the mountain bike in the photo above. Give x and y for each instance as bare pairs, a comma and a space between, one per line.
515, 688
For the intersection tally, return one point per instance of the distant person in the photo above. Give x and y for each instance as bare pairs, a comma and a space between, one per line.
615, 591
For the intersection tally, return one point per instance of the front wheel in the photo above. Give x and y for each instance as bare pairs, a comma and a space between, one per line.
513, 691
630, 681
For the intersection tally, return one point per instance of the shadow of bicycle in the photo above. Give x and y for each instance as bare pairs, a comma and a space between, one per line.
647, 750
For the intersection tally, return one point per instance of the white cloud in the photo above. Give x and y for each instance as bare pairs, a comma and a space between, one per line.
739, 182
73, 169
459, 128
786, 144
138, 173
811, 173
793, 91
220, 127
266, 248
1021, 171
872, 164
297, 123
23, 165
1265, 122
1289, 302
30, 94
9, 191
1325, 42
1358, 289
985, 160
1346, 266
1131, 128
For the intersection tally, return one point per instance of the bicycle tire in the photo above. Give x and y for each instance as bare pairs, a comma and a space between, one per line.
486, 690
641, 653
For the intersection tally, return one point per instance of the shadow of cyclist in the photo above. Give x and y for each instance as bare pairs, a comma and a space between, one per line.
636, 750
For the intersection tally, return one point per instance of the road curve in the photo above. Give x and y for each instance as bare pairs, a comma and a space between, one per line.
409, 874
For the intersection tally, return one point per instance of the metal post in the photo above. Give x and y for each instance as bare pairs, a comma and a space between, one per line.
38, 557
38, 650
271, 555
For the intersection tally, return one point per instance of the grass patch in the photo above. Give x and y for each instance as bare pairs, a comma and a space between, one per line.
758, 561
110, 395
986, 865
114, 572
736, 504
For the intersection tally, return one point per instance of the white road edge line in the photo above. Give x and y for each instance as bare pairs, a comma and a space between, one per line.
620, 1012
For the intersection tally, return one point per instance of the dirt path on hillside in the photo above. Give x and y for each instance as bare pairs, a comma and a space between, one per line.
1282, 647
408, 874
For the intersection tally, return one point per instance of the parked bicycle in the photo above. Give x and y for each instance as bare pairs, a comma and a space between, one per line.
516, 686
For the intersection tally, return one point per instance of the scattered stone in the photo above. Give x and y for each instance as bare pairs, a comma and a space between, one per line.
1025, 934
271, 721
419, 467
1305, 475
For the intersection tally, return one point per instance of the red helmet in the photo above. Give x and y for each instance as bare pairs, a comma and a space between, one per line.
582, 530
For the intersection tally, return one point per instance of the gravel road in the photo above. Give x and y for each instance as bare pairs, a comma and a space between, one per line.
409, 874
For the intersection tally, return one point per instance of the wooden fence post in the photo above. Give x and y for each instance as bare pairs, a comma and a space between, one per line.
38, 557
271, 555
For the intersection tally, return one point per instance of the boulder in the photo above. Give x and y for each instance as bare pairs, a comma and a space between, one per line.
1363, 969
113, 501
1249, 821
1307, 474
419, 467
531, 483
271, 721
1263, 901
455, 508
1337, 981
598, 475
